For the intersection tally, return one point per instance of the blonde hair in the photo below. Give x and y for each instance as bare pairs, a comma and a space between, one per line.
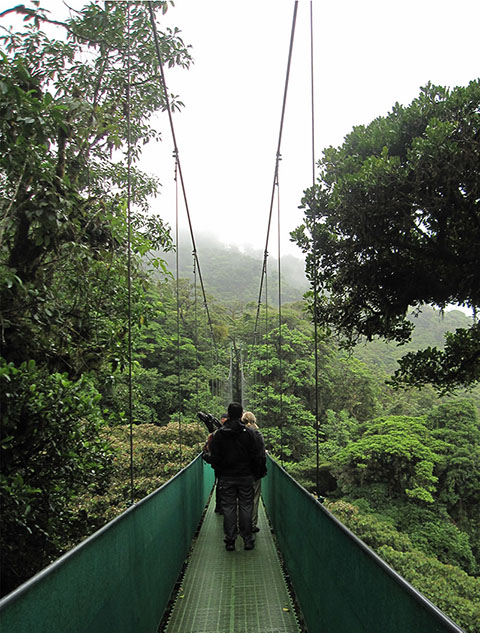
249, 419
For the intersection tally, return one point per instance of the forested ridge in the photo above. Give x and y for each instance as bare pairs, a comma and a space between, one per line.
399, 463
400, 468
232, 274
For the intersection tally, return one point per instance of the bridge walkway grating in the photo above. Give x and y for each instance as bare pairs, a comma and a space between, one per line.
232, 592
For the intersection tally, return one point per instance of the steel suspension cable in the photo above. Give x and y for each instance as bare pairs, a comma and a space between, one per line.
312, 91
177, 295
129, 259
197, 358
263, 277
195, 331
180, 172
278, 156
267, 348
280, 364
315, 261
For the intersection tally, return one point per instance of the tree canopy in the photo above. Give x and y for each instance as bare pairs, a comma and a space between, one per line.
394, 222
403, 474
74, 114
63, 179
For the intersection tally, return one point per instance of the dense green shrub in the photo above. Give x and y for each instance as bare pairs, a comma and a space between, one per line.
158, 451
305, 473
450, 588
373, 531
446, 542
51, 450
393, 450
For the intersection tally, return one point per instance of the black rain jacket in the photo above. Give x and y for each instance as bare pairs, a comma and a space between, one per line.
237, 451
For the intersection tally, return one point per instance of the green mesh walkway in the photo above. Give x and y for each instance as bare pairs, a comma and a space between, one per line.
232, 592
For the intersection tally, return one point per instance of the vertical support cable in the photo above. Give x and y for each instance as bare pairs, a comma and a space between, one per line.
315, 263
230, 375
251, 352
195, 334
195, 328
243, 382
177, 293
312, 91
267, 348
280, 363
129, 260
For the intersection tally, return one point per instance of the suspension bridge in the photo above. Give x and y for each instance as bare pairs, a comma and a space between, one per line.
161, 566
125, 577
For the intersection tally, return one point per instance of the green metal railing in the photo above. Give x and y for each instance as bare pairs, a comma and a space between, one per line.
120, 579
341, 585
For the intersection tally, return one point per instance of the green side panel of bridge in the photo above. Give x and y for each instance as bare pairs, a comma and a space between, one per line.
232, 592
341, 585
121, 578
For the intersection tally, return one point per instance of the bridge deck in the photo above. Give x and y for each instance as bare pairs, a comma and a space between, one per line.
232, 592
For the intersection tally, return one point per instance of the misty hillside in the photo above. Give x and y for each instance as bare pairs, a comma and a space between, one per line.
231, 275
430, 328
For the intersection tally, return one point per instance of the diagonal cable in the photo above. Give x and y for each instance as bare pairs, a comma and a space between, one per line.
277, 160
275, 180
180, 173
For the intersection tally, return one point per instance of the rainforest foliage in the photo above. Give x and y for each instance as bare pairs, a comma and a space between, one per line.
399, 467
394, 222
68, 156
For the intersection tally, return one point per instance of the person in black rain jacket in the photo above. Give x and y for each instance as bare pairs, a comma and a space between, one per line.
238, 458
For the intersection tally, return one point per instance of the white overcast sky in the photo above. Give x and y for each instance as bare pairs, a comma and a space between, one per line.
368, 55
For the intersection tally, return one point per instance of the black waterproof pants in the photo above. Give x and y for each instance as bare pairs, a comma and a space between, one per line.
236, 496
